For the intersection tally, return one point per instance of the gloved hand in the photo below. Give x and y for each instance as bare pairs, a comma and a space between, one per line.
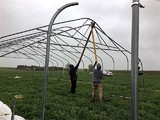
95, 64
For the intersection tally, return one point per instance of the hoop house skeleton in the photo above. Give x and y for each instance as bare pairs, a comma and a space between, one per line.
67, 42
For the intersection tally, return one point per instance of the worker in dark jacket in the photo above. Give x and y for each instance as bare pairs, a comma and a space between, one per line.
73, 76
97, 76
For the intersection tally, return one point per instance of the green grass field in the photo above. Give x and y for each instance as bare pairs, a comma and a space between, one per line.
62, 105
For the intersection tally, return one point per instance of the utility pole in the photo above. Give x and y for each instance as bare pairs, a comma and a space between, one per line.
134, 57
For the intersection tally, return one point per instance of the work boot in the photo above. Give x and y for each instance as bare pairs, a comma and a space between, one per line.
92, 100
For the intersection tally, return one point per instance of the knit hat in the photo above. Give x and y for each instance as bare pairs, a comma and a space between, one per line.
98, 66
71, 66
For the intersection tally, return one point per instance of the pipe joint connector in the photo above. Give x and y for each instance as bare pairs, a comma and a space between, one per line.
137, 3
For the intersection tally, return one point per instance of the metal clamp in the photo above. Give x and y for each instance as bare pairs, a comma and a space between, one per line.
137, 3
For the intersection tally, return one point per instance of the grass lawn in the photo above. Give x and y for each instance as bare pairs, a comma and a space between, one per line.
62, 105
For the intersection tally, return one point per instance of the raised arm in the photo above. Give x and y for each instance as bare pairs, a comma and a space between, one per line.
76, 67
94, 65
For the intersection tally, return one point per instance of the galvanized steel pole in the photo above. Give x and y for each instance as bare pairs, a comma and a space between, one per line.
134, 58
47, 55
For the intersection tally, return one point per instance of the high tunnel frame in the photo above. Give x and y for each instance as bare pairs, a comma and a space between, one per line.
67, 41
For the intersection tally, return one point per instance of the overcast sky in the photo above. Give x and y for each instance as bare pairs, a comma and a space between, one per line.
114, 17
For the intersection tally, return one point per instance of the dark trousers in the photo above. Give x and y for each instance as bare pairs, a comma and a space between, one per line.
73, 86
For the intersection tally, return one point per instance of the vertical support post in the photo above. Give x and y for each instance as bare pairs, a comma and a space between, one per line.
13, 109
47, 55
134, 58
